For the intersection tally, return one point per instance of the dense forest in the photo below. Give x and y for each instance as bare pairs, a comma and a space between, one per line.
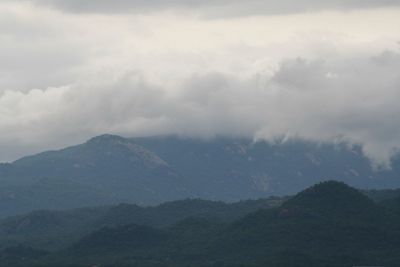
328, 224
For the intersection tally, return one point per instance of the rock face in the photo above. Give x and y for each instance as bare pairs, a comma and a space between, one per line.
110, 169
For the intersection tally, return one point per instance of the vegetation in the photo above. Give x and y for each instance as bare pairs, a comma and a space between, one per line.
53, 230
329, 224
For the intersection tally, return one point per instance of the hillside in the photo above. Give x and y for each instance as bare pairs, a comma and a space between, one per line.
51, 230
329, 224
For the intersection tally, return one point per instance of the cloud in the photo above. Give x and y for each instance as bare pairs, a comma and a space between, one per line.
37, 48
65, 77
351, 99
215, 8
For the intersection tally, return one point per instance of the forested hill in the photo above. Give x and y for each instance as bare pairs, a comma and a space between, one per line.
329, 224
52, 229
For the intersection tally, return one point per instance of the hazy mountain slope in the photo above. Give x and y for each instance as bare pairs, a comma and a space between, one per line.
52, 194
226, 168
106, 169
111, 163
110, 169
382, 195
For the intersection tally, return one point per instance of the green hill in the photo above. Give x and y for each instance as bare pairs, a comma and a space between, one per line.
329, 224
52, 230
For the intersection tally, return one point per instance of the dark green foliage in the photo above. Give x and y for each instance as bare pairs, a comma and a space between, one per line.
52, 230
393, 205
329, 224
20, 255
49, 230
171, 212
335, 201
121, 238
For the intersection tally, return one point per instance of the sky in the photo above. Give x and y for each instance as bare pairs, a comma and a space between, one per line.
318, 70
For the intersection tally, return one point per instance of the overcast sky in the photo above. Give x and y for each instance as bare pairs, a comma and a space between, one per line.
320, 70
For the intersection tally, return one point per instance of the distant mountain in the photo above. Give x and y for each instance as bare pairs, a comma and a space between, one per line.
329, 224
53, 194
383, 194
105, 170
110, 169
231, 169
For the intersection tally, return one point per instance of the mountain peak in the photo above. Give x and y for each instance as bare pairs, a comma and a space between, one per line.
123, 149
330, 197
106, 138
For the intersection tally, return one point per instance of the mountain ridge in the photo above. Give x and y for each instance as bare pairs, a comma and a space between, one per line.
265, 237
111, 169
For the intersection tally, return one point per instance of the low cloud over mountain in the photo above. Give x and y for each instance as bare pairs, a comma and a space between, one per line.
313, 70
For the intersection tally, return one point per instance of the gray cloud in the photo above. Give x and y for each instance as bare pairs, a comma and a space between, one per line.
240, 77
353, 99
215, 8
36, 52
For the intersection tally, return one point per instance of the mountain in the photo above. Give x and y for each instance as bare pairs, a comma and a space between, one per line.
50, 194
336, 200
329, 224
105, 170
383, 194
231, 168
110, 169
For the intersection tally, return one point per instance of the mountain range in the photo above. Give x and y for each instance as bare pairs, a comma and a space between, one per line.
110, 169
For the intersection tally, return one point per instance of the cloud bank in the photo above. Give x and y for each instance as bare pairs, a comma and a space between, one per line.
215, 8
74, 71
351, 99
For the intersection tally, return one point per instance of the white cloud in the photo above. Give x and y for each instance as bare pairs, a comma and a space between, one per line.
358, 103
214, 8
65, 77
